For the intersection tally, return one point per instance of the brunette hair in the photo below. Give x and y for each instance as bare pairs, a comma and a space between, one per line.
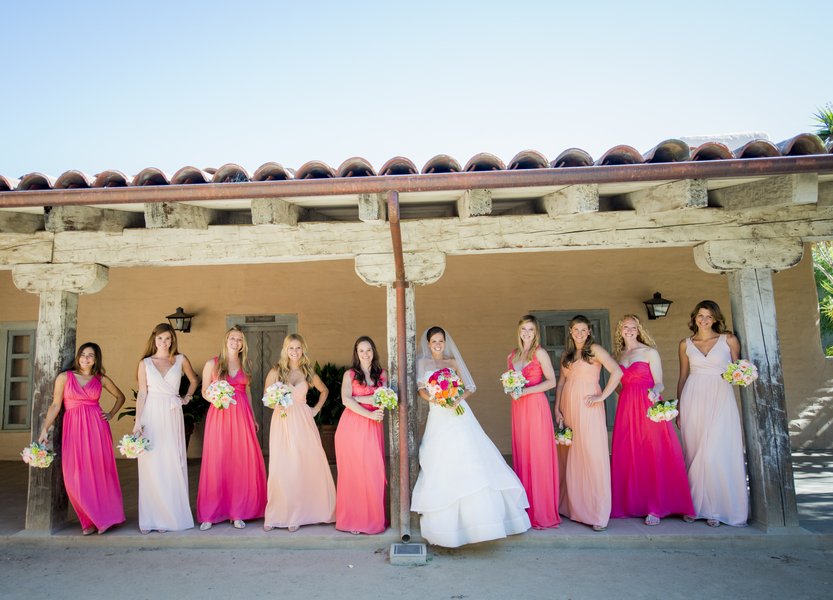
222, 359
641, 336
536, 341
375, 367
283, 361
719, 325
434, 330
98, 367
150, 347
568, 357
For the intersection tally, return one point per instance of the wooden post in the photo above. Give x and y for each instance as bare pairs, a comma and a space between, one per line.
58, 287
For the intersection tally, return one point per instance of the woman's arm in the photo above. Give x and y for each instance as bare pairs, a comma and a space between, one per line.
207, 376
559, 390
111, 387
685, 369
352, 404
140, 397
192, 379
323, 393
613, 369
734, 346
54, 407
656, 370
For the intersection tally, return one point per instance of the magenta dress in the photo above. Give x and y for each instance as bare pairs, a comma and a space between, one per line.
360, 458
233, 474
533, 450
648, 473
87, 459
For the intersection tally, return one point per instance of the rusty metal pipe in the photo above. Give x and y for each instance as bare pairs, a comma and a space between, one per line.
750, 167
399, 285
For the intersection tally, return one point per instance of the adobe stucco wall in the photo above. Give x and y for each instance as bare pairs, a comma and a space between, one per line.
479, 299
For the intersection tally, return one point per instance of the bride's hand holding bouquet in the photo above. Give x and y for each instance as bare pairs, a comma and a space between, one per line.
446, 389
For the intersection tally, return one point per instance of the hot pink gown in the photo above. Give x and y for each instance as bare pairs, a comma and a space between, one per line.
87, 459
533, 450
233, 474
360, 456
585, 495
300, 489
648, 474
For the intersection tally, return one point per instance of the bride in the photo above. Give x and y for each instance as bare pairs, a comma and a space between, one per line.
465, 491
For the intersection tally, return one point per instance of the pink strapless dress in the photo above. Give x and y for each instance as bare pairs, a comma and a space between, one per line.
233, 474
360, 457
87, 459
533, 450
648, 474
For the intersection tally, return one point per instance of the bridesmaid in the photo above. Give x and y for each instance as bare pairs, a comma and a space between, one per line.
87, 460
648, 477
585, 496
163, 470
360, 448
533, 436
233, 475
300, 488
710, 425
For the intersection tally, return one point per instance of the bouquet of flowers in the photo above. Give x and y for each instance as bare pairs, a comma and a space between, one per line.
564, 435
221, 394
661, 410
36, 455
513, 383
131, 446
385, 397
444, 387
278, 394
741, 372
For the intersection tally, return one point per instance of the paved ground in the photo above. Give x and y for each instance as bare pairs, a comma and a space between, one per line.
630, 560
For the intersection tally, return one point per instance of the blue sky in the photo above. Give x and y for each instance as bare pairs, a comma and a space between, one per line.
100, 85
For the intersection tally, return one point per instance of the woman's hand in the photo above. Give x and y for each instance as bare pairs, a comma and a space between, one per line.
43, 437
515, 395
377, 415
137, 429
591, 399
559, 418
315, 410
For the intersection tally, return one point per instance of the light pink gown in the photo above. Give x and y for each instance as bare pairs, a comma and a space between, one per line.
87, 460
300, 488
360, 456
648, 472
233, 474
585, 495
712, 437
533, 450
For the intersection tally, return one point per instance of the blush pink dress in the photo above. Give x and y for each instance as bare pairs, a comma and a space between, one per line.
360, 457
585, 495
533, 450
87, 460
300, 488
648, 473
233, 474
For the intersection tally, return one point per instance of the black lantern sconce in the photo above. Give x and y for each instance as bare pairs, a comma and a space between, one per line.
180, 320
657, 306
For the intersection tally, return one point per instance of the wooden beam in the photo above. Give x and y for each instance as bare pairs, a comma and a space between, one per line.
372, 208
571, 200
686, 193
474, 203
176, 215
75, 278
17, 222
421, 268
782, 190
723, 256
274, 211
89, 218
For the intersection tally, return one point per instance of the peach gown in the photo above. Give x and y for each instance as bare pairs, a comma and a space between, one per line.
300, 489
712, 438
585, 495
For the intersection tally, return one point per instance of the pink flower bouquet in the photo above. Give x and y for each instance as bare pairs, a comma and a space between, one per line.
221, 394
278, 394
564, 436
36, 455
386, 398
444, 387
131, 446
741, 372
661, 410
513, 383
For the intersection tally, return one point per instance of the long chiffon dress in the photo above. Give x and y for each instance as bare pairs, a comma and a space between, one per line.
465, 492
533, 449
233, 474
360, 457
585, 495
300, 489
712, 438
163, 470
648, 473
87, 459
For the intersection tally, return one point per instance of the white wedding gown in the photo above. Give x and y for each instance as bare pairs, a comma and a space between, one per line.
465, 491
163, 472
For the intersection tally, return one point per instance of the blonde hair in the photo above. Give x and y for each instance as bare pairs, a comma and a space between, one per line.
150, 347
526, 356
283, 367
641, 336
222, 359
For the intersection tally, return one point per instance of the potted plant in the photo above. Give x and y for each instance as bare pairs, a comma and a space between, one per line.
327, 418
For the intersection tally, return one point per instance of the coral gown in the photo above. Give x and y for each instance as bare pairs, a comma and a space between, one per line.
87, 459
465, 492
360, 457
533, 449
648, 473
585, 495
300, 489
712, 438
163, 471
233, 474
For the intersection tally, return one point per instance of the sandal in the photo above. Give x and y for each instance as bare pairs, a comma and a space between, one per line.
652, 520
205, 526
292, 528
689, 518
713, 523
88, 531
267, 527
238, 524
599, 528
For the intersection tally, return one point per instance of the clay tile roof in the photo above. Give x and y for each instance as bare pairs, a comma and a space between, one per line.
668, 151
442, 163
73, 179
36, 181
7, 184
228, 173
355, 167
484, 162
757, 149
528, 159
272, 171
110, 178
802, 144
620, 155
712, 151
150, 176
188, 175
398, 165
572, 157
315, 169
